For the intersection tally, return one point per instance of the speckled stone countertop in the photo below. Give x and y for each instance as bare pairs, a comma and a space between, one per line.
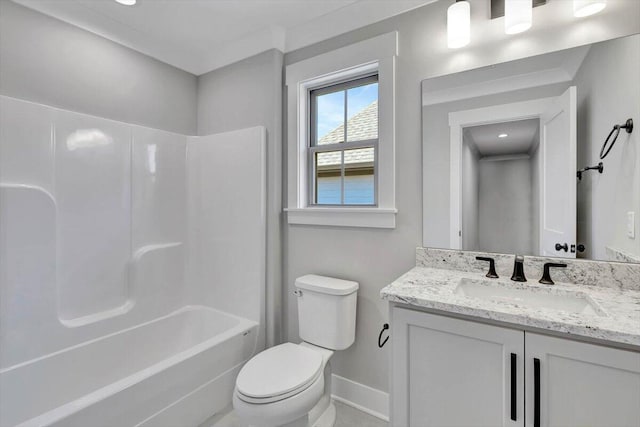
616, 319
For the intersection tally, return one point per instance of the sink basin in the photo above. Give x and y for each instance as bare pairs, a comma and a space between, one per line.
533, 297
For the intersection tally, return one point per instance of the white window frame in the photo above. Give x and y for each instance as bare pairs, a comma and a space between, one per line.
343, 146
375, 55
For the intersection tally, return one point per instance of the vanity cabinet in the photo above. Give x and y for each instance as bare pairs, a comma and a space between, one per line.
453, 372
450, 372
581, 384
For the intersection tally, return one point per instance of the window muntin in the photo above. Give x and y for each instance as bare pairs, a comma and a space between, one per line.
343, 142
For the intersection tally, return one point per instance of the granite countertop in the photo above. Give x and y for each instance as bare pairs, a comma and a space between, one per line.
618, 319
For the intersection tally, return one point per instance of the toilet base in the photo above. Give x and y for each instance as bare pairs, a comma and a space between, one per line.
300, 422
327, 418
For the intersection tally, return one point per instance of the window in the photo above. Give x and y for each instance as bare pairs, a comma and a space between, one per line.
340, 136
343, 141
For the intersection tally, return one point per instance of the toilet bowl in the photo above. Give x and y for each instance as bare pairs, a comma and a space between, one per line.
289, 385
285, 386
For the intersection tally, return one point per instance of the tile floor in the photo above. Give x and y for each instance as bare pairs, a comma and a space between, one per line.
346, 416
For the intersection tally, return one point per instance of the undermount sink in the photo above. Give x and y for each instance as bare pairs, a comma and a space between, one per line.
534, 297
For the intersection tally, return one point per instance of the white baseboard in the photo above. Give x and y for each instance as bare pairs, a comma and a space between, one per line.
367, 399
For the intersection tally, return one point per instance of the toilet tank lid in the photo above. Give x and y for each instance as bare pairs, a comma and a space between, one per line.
326, 285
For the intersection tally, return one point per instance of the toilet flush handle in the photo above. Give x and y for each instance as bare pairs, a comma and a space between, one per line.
298, 292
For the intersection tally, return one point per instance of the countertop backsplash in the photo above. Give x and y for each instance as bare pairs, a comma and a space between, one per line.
616, 275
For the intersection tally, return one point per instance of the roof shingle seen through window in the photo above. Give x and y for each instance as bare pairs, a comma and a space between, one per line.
361, 127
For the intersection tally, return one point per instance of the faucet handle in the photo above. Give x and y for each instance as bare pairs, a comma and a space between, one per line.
492, 266
518, 269
546, 275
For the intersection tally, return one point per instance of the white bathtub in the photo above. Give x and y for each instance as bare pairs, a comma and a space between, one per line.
176, 370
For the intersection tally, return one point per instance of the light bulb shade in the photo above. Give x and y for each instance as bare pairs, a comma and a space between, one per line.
458, 25
518, 16
583, 8
127, 2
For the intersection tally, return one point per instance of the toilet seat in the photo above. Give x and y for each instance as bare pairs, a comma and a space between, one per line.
278, 373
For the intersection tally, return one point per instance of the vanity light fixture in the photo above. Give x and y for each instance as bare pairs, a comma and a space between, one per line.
127, 2
518, 16
582, 8
503, 135
458, 24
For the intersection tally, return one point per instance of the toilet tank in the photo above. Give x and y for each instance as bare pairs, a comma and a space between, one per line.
327, 311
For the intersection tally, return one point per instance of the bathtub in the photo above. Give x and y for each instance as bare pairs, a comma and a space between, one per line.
175, 370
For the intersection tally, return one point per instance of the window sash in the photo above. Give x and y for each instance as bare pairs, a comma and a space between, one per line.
313, 149
341, 147
351, 145
337, 87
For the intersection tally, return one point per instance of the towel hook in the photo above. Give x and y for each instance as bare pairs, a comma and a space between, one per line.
599, 167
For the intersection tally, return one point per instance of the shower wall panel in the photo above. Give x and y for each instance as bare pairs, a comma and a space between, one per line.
94, 232
92, 190
158, 218
227, 222
26, 148
92, 227
28, 299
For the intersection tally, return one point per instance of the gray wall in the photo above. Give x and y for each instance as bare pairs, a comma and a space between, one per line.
376, 257
505, 211
47, 61
608, 94
249, 93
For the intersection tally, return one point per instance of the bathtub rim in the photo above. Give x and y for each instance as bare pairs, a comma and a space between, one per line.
56, 414
183, 309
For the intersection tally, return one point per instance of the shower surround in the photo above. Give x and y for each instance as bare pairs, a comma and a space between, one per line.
124, 262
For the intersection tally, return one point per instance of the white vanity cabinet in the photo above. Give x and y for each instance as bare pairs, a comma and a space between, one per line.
452, 372
581, 384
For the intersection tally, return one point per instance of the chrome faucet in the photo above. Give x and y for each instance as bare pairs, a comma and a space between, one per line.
518, 269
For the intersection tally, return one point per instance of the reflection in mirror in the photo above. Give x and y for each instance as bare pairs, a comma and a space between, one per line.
498, 160
510, 140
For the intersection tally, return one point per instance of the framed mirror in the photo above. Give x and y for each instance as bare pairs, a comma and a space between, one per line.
536, 156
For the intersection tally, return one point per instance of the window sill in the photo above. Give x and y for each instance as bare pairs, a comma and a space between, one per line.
343, 217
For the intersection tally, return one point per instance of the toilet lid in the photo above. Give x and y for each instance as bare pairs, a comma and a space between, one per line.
279, 370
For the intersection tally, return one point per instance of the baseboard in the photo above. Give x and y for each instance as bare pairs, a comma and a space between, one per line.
367, 399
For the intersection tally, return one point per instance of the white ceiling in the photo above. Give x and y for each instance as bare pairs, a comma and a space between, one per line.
201, 35
522, 136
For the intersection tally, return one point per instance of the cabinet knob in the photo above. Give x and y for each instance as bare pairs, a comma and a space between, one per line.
514, 387
536, 392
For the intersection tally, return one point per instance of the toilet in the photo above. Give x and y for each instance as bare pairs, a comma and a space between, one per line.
290, 384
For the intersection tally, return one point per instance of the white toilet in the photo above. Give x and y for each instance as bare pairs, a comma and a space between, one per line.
290, 384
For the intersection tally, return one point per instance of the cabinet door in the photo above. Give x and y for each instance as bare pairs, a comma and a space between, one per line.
580, 384
450, 372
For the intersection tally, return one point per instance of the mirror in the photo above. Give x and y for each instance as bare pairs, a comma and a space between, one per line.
512, 155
